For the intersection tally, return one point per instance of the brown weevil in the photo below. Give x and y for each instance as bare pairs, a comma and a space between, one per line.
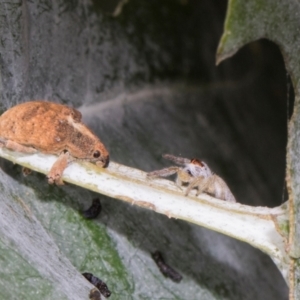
51, 128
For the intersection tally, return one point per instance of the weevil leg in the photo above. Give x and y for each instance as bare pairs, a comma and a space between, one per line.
11, 145
55, 174
163, 172
19, 148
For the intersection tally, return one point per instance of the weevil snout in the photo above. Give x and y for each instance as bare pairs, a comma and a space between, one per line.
103, 161
106, 161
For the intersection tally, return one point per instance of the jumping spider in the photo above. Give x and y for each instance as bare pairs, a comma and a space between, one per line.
196, 174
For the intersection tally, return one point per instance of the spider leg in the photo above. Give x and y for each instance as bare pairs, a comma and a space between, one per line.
163, 172
202, 184
205, 185
178, 182
182, 177
176, 159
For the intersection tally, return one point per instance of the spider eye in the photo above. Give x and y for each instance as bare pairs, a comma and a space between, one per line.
189, 172
96, 154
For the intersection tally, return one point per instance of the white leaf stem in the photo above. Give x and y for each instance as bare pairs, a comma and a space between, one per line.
257, 226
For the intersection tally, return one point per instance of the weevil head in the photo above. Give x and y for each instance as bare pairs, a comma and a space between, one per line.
100, 156
86, 146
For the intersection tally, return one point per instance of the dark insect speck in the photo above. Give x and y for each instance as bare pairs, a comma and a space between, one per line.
165, 269
26, 171
98, 283
94, 210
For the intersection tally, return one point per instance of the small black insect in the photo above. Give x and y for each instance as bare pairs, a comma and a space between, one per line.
94, 210
165, 269
95, 294
98, 283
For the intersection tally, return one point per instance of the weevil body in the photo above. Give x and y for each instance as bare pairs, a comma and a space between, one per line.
51, 128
